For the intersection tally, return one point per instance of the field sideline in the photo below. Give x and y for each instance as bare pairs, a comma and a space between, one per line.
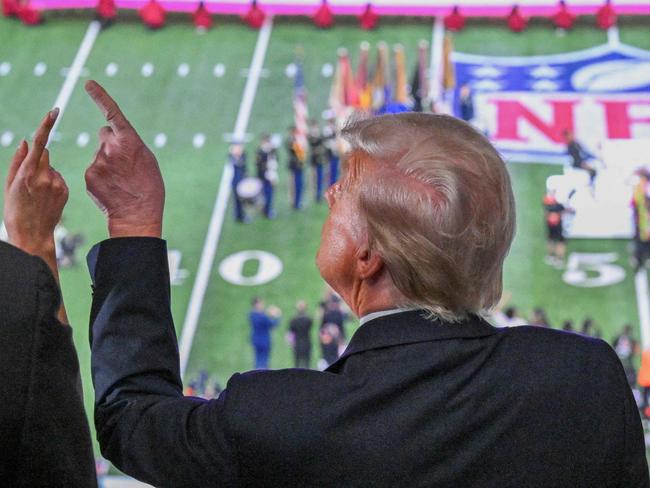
185, 92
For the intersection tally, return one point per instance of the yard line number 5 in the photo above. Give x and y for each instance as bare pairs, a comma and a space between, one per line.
591, 270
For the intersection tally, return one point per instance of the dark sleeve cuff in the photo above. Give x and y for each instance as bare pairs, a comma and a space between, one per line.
132, 335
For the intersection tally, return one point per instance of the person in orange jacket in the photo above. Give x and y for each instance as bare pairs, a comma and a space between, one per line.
643, 380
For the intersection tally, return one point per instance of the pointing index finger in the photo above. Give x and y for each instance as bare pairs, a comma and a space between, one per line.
40, 141
108, 106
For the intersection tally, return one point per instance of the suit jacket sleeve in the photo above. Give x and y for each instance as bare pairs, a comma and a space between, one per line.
145, 425
53, 445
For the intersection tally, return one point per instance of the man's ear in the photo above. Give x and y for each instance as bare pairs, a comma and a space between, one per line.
369, 264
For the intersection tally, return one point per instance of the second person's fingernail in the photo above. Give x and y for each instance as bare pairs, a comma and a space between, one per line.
54, 113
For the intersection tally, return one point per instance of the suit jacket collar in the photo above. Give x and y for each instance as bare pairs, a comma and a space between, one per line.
410, 327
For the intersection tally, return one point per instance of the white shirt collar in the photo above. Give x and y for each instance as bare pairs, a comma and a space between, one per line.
383, 313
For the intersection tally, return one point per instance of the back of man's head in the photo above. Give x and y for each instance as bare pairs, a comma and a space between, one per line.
439, 208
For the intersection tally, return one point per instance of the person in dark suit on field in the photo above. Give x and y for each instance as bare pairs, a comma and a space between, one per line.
427, 393
44, 434
300, 330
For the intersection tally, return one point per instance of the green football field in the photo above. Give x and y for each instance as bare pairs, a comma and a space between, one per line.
188, 115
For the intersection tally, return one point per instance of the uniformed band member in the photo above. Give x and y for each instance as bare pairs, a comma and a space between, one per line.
331, 150
297, 158
317, 156
556, 242
267, 162
641, 212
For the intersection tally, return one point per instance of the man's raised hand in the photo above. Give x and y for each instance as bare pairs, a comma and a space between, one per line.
34, 195
124, 179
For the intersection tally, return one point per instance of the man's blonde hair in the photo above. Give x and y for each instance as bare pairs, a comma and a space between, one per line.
438, 205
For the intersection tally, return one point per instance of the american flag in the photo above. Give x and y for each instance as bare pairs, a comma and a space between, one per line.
300, 112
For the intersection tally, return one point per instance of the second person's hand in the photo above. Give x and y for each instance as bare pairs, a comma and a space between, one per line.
124, 179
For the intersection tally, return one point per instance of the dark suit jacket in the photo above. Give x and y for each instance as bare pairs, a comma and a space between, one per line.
412, 402
44, 436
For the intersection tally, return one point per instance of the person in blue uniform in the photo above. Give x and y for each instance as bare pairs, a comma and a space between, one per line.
262, 322
237, 158
267, 162
317, 155
296, 166
466, 103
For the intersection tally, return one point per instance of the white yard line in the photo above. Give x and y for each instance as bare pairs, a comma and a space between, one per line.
68, 85
613, 38
75, 70
221, 202
437, 45
643, 305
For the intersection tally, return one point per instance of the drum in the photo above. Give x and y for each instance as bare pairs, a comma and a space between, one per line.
249, 189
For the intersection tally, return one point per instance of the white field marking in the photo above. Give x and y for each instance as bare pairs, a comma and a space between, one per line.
198, 140
7, 138
221, 201
147, 70
613, 38
83, 139
231, 137
66, 71
643, 305
5, 68
183, 70
219, 70
40, 69
111, 69
264, 73
160, 140
75, 71
327, 70
436, 65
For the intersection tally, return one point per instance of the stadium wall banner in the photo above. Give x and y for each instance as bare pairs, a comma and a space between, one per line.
493, 8
524, 104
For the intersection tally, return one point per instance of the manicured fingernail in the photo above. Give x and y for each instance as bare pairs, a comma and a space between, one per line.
54, 113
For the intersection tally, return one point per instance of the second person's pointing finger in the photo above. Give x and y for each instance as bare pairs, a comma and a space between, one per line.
108, 106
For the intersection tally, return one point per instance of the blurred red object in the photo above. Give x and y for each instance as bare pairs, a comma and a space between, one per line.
28, 15
516, 21
455, 21
368, 19
202, 18
10, 8
323, 17
153, 15
606, 16
563, 18
255, 16
106, 9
